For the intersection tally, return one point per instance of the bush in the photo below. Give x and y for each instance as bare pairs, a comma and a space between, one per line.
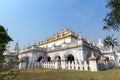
7, 74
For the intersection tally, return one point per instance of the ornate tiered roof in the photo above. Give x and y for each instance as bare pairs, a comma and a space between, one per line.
62, 34
65, 32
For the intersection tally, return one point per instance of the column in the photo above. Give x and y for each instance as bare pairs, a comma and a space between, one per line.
57, 63
63, 64
20, 65
93, 63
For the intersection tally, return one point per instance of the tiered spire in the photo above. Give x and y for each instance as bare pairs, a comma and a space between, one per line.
80, 36
100, 44
16, 48
80, 41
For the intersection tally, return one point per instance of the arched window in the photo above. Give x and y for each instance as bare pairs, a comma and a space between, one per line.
49, 59
40, 58
70, 58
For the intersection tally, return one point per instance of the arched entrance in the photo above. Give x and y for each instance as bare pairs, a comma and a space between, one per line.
48, 59
58, 58
39, 59
70, 58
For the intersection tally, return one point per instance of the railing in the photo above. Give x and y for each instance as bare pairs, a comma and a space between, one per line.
77, 66
74, 65
48, 64
68, 65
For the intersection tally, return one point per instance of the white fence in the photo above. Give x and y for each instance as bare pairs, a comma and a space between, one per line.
48, 65
68, 65
74, 65
77, 66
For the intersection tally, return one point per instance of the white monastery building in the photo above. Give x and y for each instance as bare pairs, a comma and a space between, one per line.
67, 50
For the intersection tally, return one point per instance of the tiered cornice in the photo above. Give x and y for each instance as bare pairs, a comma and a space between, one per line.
33, 47
59, 35
68, 33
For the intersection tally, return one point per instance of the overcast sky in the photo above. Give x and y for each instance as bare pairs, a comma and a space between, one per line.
35, 20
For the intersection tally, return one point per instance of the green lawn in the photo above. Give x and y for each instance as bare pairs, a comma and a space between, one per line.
52, 74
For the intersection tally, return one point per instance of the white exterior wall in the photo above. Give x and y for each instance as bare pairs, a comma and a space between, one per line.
110, 56
117, 55
58, 42
64, 53
74, 40
32, 56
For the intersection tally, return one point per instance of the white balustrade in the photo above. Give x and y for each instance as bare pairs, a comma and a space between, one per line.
68, 65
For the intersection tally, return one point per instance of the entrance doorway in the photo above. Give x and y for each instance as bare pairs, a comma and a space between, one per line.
49, 59
70, 58
39, 59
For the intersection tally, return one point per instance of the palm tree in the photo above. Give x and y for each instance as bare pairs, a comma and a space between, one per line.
112, 19
110, 42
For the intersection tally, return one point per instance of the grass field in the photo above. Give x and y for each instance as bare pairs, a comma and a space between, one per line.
52, 74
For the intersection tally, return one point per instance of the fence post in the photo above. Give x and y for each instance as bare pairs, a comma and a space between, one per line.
42, 63
20, 65
93, 63
85, 66
57, 63
63, 64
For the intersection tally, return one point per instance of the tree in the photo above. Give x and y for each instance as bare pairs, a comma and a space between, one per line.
5, 73
4, 39
12, 62
112, 19
110, 42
